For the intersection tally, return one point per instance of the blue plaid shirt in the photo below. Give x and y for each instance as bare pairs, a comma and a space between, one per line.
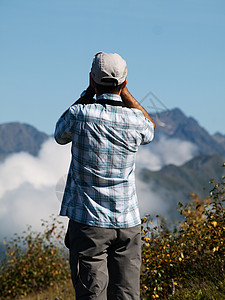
100, 189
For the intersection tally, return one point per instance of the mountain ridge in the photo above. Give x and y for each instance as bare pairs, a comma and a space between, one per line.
17, 137
172, 183
177, 125
175, 183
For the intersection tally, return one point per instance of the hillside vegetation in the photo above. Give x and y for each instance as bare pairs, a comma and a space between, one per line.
34, 261
185, 262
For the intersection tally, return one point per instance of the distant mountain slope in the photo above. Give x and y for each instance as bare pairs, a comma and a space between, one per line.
16, 137
174, 184
220, 139
177, 125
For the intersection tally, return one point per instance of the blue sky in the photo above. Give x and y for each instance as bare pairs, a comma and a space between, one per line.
173, 48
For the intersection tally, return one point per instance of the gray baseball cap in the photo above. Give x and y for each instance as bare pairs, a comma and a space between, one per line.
108, 69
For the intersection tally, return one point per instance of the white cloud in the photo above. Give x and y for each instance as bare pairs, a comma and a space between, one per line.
28, 187
153, 157
149, 201
31, 187
166, 151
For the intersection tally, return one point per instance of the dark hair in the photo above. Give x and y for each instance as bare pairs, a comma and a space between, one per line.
102, 89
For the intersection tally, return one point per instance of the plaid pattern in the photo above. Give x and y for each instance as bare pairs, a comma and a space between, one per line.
100, 189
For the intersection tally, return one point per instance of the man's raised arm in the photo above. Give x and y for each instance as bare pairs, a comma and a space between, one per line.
130, 102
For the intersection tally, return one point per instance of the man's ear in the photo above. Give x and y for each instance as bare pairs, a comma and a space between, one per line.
124, 84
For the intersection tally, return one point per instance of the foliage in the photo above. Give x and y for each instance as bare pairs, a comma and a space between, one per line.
194, 251
34, 261
185, 262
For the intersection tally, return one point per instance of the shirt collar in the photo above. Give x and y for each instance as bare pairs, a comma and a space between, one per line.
113, 97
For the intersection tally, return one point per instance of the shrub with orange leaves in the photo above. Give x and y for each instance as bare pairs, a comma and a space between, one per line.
34, 261
195, 249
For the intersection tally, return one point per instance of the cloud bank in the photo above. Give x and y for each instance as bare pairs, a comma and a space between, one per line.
31, 188
154, 156
166, 151
28, 187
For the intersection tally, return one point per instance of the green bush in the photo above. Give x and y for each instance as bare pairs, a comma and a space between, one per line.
34, 261
193, 252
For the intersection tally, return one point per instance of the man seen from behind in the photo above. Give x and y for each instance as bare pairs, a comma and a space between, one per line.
104, 231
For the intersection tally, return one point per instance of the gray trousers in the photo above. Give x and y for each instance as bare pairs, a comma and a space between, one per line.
105, 262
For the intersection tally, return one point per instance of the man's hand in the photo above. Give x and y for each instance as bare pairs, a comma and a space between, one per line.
88, 97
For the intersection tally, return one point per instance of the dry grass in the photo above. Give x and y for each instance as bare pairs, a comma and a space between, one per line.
57, 292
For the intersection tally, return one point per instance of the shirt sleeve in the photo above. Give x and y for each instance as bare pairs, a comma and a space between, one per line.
147, 132
62, 133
